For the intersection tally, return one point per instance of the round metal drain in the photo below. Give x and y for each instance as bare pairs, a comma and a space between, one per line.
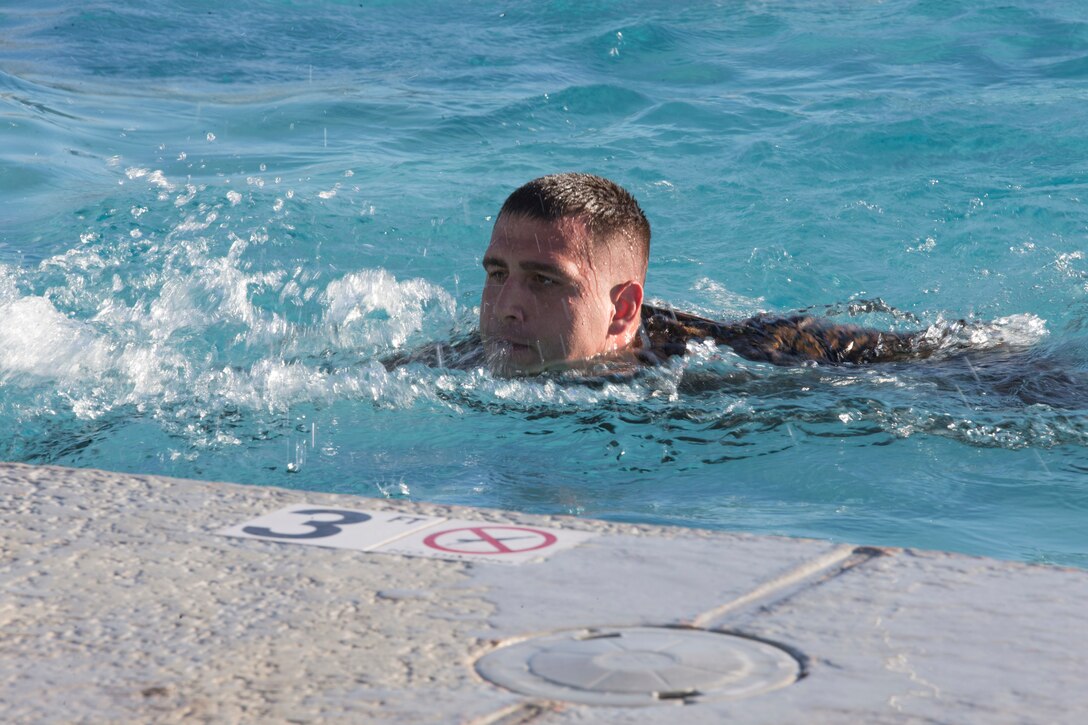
640, 666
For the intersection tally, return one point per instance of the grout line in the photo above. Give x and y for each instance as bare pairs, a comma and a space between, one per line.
836, 556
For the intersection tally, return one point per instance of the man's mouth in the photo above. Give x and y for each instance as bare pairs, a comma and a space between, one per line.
512, 356
511, 342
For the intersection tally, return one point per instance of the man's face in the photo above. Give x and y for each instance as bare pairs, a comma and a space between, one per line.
546, 301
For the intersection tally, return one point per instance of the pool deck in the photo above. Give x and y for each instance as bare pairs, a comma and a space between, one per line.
122, 601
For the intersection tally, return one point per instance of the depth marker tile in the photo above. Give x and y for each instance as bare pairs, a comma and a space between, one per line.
331, 526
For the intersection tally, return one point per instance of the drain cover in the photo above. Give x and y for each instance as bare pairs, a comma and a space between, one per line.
639, 666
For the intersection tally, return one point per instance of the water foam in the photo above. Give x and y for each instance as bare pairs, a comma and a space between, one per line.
192, 328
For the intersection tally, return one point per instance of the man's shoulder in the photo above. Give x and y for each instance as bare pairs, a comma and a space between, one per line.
778, 339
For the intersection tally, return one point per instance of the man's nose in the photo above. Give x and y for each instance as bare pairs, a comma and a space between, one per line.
510, 304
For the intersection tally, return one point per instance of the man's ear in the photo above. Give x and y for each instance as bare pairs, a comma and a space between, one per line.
626, 308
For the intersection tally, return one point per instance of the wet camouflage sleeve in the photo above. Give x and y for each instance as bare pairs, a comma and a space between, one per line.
780, 340
797, 339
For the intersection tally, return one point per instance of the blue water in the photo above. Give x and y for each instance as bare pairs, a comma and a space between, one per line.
217, 217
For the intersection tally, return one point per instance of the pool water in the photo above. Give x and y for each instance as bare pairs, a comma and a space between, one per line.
218, 217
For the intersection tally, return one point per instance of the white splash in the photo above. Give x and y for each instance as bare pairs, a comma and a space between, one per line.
1020, 330
371, 308
38, 340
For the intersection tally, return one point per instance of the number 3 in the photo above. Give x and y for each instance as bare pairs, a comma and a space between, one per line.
321, 529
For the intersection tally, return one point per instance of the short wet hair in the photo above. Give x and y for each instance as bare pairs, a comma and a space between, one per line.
611, 212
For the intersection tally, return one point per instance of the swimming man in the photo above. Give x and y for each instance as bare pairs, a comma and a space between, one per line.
565, 272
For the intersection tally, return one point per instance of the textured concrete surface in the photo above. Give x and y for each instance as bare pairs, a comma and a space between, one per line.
119, 603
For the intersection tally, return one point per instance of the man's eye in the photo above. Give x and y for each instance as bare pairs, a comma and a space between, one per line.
546, 281
496, 275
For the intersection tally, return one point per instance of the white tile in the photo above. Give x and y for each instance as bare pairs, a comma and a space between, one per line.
331, 526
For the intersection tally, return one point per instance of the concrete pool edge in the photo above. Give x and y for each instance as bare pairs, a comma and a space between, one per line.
122, 603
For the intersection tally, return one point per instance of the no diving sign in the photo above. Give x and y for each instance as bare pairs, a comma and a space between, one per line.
490, 540
478, 541
389, 532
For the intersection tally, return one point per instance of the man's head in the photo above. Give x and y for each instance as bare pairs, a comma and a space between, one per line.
565, 270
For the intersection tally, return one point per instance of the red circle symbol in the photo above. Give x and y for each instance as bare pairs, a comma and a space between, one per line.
490, 540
